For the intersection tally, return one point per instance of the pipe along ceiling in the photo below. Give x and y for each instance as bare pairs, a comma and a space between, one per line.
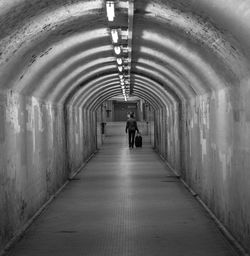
62, 51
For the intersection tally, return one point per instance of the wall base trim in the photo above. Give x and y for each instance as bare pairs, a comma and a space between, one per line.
219, 224
72, 176
19, 234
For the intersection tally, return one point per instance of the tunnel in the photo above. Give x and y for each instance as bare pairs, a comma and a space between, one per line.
187, 61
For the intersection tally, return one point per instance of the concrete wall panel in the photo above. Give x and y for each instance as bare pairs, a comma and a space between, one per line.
218, 158
167, 135
215, 147
33, 164
34, 148
81, 136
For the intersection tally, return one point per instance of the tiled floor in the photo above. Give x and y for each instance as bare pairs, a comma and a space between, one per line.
124, 203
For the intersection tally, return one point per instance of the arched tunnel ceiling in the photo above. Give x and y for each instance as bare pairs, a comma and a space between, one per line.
93, 94
61, 50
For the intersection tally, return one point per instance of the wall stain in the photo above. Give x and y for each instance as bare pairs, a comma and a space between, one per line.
2, 124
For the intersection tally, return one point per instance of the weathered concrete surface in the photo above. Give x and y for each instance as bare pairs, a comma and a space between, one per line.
124, 202
36, 155
215, 152
217, 162
81, 136
32, 158
167, 135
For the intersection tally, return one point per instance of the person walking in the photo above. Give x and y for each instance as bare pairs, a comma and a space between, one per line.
131, 128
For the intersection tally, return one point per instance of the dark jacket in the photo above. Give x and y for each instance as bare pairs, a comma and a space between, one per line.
131, 125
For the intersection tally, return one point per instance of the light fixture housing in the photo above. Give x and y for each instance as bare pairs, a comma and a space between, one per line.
114, 35
119, 61
110, 7
117, 50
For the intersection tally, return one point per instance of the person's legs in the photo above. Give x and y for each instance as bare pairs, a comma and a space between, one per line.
129, 139
133, 138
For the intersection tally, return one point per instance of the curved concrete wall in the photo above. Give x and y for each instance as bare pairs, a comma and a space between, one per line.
190, 61
32, 157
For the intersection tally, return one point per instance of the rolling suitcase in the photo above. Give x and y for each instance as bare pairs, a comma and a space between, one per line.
138, 141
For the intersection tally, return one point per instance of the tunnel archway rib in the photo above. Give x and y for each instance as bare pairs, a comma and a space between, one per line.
91, 90
181, 64
70, 64
143, 79
96, 103
178, 26
107, 95
53, 79
173, 69
100, 92
149, 38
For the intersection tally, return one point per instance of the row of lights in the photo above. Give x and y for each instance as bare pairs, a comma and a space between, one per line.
120, 50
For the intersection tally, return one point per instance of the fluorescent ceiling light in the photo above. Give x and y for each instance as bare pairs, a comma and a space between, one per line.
114, 34
119, 61
110, 6
117, 50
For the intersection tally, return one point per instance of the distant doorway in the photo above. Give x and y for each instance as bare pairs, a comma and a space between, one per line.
122, 109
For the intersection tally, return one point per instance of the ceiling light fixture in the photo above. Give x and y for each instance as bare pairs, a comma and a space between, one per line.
114, 34
117, 50
110, 6
120, 68
119, 61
